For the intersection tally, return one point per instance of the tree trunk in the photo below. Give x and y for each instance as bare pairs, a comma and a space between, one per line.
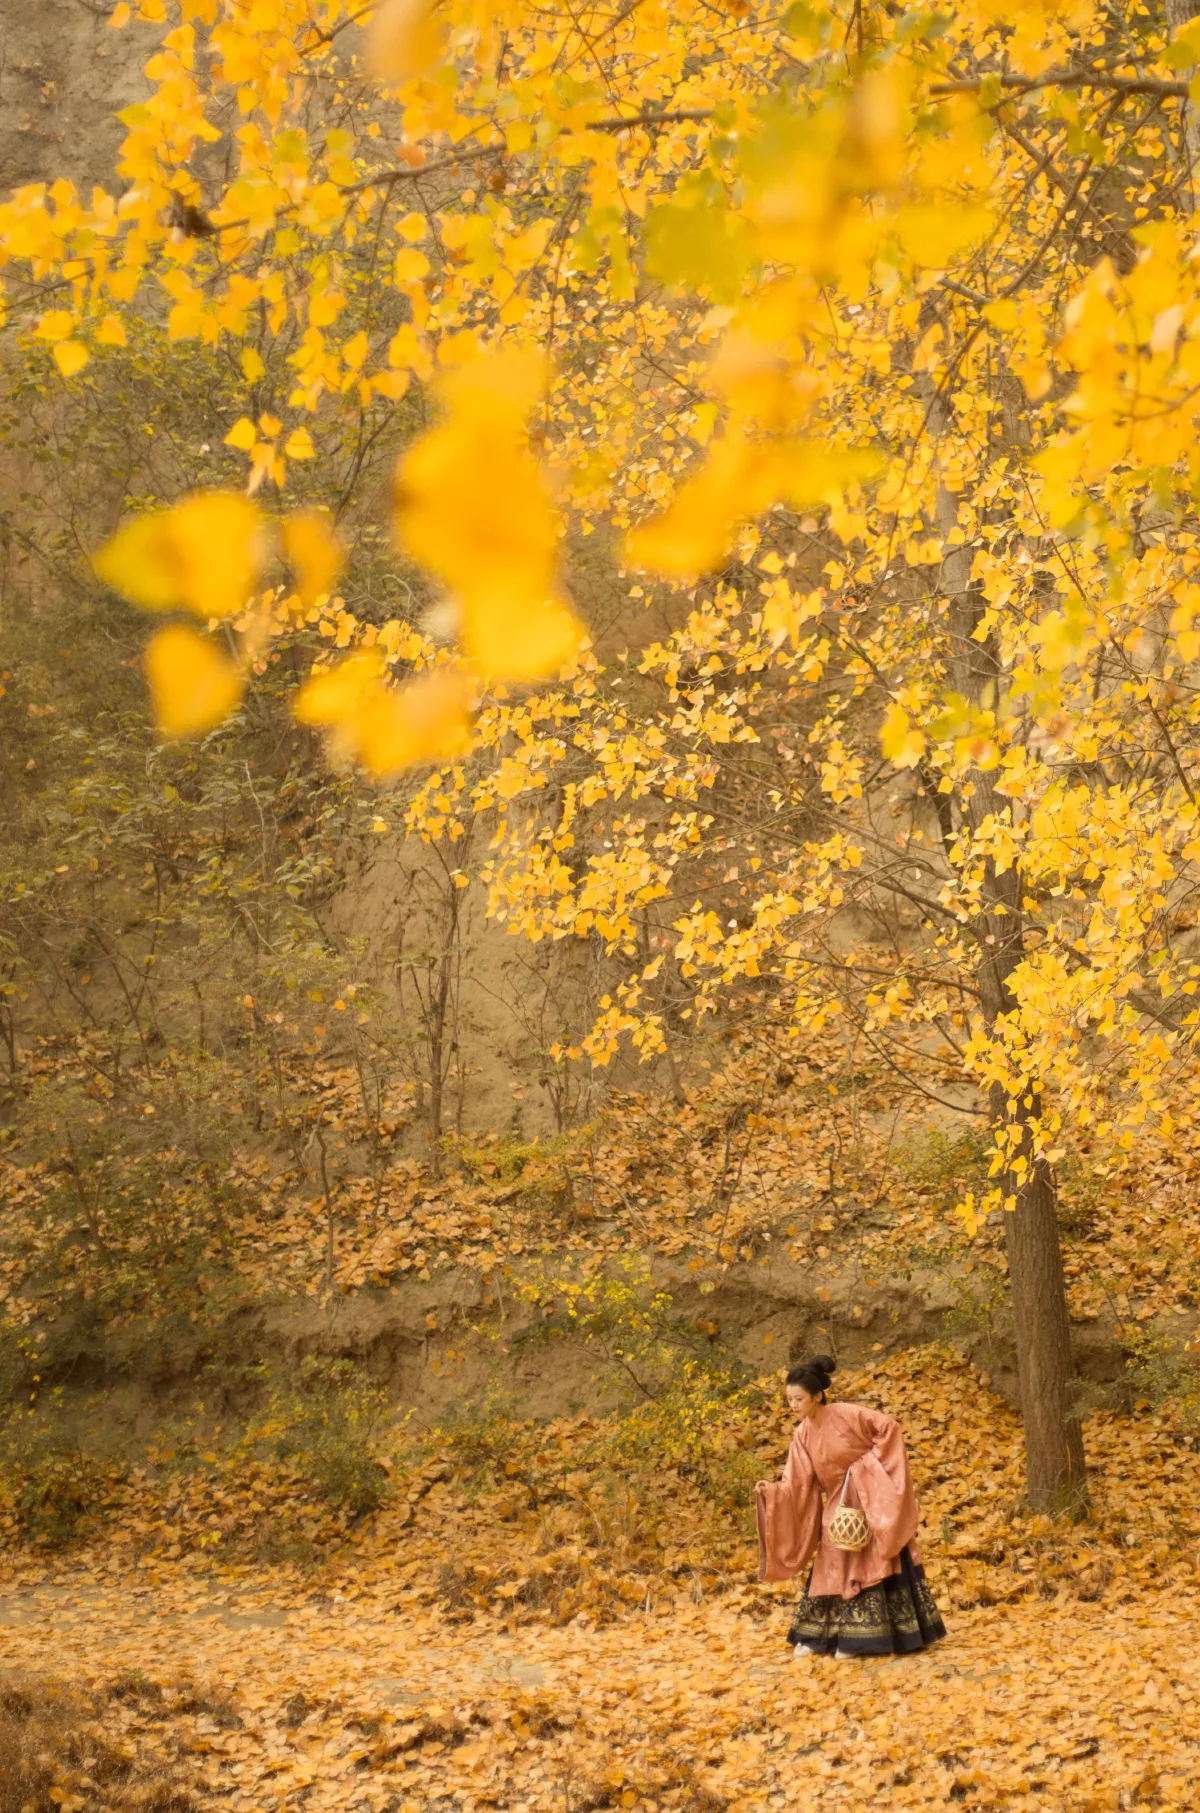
1179, 14
1054, 1462
1055, 1475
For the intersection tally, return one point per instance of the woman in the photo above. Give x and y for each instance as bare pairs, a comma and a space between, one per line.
868, 1602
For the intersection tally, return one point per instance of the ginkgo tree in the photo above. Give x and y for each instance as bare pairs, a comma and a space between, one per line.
867, 337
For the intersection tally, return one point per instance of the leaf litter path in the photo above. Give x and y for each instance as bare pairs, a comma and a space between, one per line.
303, 1702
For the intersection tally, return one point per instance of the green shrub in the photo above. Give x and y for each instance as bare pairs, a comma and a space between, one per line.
688, 1401
328, 1425
53, 1485
982, 1311
1166, 1375
480, 1435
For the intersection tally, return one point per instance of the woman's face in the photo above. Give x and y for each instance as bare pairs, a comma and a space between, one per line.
802, 1403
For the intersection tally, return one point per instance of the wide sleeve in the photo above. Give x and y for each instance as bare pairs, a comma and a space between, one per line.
789, 1516
883, 1484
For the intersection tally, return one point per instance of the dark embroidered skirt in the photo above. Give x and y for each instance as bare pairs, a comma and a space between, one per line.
891, 1619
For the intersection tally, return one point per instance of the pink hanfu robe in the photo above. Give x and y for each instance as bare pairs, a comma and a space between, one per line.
794, 1514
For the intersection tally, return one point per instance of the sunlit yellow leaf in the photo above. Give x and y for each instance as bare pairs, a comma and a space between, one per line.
242, 435
203, 554
425, 721
1035, 375
473, 506
56, 324
410, 265
391, 384
70, 356
335, 693
899, 739
298, 445
120, 16
693, 533
931, 234
355, 351
387, 728
111, 332
193, 685
404, 40
312, 552
525, 644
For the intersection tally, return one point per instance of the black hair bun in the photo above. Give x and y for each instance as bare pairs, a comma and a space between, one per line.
824, 1363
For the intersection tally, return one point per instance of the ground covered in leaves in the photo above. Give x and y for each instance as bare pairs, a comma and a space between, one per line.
474, 1645
801, 1161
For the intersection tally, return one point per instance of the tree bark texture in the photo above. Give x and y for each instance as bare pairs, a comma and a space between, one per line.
1179, 14
1055, 1471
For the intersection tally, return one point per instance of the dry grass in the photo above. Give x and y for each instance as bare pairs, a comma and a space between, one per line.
58, 1756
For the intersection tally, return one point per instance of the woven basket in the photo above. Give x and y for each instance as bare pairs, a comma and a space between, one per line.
848, 1528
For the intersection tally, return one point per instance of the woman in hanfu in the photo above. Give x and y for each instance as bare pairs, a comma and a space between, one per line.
870, 1601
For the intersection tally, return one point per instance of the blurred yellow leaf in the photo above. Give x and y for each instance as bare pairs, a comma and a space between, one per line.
410, 265
693, 533
111, 332
56, 324
473, 506
193, 685
333, 693
404, 39
390, 384
242, 435
298, 445
387, 728
71, 356
425, 721
202, 554
312, 552
521, 645
899, 739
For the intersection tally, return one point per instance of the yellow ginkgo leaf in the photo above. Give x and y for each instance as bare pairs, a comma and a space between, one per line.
426, 721
526, 644
404, 40
139, 563
312, 552
242, 435
472, 505
71, 356
203, 553
387, 728
193, 685
899, 739
691, 536
390, 384
217, 538
333, 694
55, 324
